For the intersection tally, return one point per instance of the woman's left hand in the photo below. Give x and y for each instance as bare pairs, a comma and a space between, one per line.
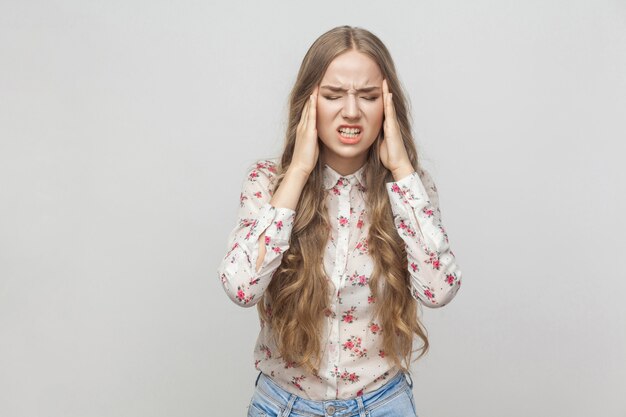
392, 152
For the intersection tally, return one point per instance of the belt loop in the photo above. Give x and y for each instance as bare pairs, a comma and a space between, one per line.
257, 379
359, 401
407, 375
287, 411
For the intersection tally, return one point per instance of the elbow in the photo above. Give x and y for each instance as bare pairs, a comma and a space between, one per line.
441, 295
239, 294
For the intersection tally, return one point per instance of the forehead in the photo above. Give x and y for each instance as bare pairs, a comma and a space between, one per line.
352, 69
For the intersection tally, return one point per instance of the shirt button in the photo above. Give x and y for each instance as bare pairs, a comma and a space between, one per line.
330, 410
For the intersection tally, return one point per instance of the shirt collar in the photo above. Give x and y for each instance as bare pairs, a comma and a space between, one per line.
332, 177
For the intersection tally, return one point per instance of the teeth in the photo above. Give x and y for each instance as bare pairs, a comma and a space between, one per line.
350, 131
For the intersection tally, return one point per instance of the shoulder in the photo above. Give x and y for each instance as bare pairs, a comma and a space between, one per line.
262, 170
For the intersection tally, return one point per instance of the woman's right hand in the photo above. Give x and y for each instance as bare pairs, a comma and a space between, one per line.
306, 149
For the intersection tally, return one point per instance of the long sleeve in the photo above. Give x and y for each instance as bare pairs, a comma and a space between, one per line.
237, 271
435, 275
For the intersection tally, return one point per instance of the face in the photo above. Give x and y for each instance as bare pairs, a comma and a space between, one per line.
349, 110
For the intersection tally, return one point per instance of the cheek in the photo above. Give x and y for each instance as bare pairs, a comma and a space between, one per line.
324, 117
377, 115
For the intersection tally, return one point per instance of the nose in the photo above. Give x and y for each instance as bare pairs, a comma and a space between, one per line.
351, 107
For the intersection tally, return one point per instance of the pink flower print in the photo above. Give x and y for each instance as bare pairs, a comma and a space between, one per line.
353, 345
241, 296
258, 194
267, 240
359, 224
374, 328
359, 392
414, 267
406, 228
296, 381
343, 221
433, 260
381, 353
276, 249
266, 350
371, 299
362, 246
356, 279
336, 191
348, 315
256, 364
290, 364
246, 222
428, 293
450, 279
279, 225
235, 246
272, 169
254, 281
428, 212
396, 188
253, 175
345, 375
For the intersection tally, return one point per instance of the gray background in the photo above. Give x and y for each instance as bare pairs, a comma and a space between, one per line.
125, 130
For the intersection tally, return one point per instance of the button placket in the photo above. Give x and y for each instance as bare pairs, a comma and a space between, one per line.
341, 251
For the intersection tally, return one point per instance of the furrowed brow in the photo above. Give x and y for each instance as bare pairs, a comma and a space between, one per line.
343, 90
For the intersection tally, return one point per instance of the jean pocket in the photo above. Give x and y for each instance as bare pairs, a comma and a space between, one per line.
262, 407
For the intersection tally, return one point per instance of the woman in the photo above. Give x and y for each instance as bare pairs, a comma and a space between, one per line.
338, 242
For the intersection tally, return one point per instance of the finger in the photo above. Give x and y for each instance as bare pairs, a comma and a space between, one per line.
313, 110
305, 112
390, 110
385, 87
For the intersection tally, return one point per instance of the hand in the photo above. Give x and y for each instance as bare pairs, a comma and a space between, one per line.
392, 152
306, 150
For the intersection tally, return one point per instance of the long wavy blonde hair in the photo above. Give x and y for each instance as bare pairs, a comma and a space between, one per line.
294, 302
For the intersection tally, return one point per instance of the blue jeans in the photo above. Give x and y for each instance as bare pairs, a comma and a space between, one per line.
393, 399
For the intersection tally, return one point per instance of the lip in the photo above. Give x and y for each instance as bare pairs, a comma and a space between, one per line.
350, 141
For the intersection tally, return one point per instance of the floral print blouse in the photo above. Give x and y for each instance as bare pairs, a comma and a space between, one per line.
353, 361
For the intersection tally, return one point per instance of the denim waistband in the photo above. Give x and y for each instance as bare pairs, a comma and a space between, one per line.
336, 408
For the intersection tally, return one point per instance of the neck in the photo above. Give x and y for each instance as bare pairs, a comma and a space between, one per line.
344, 166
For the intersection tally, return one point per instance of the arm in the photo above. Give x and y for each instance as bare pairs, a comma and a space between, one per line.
435, 275
258, 241
264, 227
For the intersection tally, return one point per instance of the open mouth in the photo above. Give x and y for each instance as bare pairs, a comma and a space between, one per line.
349, 132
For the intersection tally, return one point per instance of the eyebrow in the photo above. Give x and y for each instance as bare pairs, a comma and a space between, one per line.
360, 90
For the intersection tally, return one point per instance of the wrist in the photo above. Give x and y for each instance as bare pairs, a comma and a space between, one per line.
402, 172
297, 173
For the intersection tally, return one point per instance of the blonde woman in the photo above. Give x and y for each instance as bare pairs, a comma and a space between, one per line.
339, 241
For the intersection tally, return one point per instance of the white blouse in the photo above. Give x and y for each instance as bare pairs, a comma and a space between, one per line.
353, 361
